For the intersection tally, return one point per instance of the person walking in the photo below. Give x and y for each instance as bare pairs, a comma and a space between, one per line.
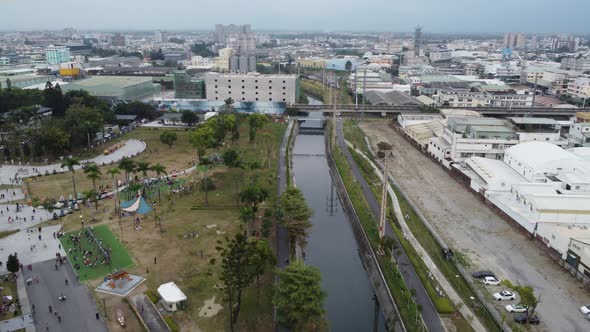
67, 283
50, 309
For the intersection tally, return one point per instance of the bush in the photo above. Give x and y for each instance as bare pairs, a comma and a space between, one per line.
171, 324
384, 146
153, 297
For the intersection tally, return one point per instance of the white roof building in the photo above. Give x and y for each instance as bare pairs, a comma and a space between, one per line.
542, 187
171, 296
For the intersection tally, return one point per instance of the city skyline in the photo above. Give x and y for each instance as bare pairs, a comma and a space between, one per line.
527, 15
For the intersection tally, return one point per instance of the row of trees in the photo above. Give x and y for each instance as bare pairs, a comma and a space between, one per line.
77, 117
246, 257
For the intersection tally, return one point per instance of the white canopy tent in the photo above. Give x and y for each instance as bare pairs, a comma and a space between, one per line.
171, 295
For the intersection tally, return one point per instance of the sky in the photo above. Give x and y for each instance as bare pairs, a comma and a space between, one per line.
436, 16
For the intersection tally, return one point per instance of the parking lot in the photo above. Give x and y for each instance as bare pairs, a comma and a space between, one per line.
481, 236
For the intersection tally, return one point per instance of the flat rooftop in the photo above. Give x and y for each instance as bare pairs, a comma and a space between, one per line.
117, 81
539, 121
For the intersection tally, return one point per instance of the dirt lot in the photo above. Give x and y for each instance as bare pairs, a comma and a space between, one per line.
486, 240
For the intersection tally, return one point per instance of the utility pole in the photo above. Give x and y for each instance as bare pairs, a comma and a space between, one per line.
383, 215
364, 90
534, 93
334, 120
356, 93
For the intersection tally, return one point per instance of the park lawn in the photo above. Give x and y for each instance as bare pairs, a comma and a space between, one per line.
179, 258
178, 157
120, 257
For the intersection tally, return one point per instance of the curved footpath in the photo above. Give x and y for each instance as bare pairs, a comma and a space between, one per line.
429, 313
11, 174
453, 295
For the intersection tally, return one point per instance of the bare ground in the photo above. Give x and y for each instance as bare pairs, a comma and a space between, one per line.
486, 240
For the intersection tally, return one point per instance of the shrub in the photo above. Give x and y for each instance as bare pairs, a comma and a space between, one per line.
153, 297
384, 146
171, 324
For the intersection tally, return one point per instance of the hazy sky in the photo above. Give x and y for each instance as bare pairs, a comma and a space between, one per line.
325, 15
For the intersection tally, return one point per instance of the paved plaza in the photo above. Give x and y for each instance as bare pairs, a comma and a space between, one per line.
27, 217
12, 173
9, 195
29, 248
78, 311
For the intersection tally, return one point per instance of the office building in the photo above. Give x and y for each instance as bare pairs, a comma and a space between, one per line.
187, 87
57, 54
252, 87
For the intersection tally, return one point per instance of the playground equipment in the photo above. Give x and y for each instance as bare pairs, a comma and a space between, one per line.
118, 278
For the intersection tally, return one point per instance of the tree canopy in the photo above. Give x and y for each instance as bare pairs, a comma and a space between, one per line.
189, 117
168, 137
294, 214
299, 298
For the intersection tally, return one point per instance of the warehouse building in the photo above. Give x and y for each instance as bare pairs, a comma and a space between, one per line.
252, 87
117, 87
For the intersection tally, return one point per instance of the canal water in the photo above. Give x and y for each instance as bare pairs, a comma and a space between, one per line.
331, 245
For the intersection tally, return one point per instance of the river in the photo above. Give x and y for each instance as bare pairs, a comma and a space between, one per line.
331, 245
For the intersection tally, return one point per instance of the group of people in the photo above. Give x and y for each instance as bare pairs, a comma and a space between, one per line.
87, 249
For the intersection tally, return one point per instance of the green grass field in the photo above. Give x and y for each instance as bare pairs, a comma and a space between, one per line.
120, 257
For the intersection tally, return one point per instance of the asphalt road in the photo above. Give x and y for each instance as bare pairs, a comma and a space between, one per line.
429, 313
78, 312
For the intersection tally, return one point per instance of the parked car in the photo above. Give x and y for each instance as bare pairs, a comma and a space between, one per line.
522, 319
504, 296
491, 281
517, 308
482, 274
585, 309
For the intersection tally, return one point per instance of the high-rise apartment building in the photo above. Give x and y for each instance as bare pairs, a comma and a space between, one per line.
57, 54
160, 36
118, 40
514, 40
238, 37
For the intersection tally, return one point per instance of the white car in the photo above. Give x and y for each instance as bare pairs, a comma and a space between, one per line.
491, 281
585, 309
504, 296
518, 308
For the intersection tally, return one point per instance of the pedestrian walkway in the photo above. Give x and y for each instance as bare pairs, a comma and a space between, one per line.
12, 174
149, 314
17, 323
444, 283
25, 304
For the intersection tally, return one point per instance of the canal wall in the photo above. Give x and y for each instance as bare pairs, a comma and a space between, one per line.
382, 292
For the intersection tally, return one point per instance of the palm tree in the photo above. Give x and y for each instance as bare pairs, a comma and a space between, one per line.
70, 163
93, 173
127, 165
159, 169
143, 167
114, 172
92, 196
